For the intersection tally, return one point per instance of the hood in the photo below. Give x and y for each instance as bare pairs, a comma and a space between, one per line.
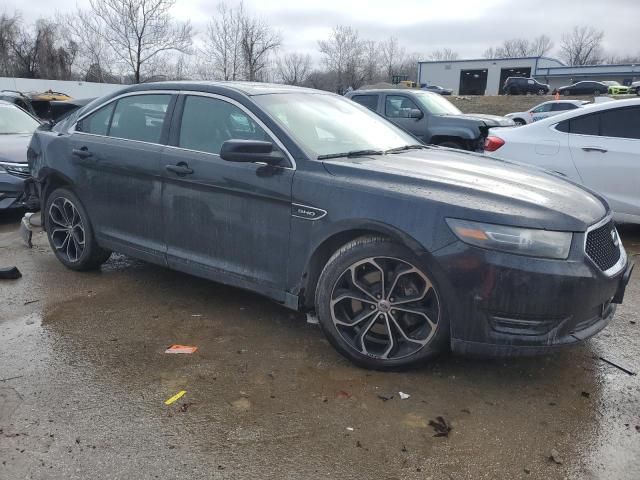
13, 148
490, 120
480, 188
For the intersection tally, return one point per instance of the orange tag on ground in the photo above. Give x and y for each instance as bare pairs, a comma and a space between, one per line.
181, 349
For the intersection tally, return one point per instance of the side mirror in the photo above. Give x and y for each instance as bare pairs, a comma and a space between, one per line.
415, 113
250, 151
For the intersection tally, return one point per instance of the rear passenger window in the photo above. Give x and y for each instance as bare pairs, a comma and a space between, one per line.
621, 123
208, 122
98, 122
140, 117
585, 125
369, 101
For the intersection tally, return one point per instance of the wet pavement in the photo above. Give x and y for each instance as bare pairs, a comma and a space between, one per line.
83, 380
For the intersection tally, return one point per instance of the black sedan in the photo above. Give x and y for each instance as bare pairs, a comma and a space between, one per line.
402, 250
438, 89
16, 128
584, 88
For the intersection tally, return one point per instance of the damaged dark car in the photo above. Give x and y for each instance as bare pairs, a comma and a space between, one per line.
402, 251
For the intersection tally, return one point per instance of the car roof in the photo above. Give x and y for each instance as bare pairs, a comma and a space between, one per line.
392, 90
247, 88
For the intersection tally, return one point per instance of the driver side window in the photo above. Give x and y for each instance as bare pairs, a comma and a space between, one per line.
209, 122
399, 106
542, 108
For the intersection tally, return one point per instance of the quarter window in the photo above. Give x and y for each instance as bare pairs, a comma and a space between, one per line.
542, 108
585, 125
369, 101
208, 122
98, 122
397, 106
140, 117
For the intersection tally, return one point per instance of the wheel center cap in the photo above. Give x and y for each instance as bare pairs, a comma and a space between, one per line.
384, 306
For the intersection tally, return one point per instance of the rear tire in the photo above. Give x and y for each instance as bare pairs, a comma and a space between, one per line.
379, 306
566, 93
596, 92
541, 91
70, 233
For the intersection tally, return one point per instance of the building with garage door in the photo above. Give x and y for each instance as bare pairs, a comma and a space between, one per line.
486, 76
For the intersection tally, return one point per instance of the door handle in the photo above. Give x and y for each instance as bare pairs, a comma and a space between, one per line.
181, 169
594, 149
82, 152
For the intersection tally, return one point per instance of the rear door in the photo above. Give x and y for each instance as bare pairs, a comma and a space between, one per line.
224, 220
605, 147
397, 108
117, 153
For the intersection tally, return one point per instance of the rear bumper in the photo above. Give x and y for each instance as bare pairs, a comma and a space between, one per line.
509, 305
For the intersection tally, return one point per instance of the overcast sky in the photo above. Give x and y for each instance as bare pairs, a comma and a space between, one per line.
466, 26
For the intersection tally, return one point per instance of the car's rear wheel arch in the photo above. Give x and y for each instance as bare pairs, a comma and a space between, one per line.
50, 183
336, 240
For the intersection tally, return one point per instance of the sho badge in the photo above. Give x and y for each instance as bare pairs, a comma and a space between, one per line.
614, 237
305, 211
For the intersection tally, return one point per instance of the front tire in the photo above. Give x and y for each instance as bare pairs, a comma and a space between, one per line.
519, 122
70, 233
379, 306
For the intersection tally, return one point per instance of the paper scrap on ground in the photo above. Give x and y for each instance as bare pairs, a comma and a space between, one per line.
181, 349
177, 396
403, 396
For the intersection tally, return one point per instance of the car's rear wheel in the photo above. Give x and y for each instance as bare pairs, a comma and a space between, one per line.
596, 92
541, 91
566, 92
379, 306
70, 233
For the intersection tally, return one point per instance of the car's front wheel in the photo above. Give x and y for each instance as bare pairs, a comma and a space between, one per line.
520, 122
379, 306
70, 233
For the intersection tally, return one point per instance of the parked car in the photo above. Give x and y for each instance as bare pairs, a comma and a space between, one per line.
401, 250
635, 87
429, 117
544, 110
437, 89
586, 87
523, 86
19, 99
58, 109
16, 128
598, 146
614, 88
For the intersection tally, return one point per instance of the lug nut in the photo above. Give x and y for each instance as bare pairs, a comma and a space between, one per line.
372, 307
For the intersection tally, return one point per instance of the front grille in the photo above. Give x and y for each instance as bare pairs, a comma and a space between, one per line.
603, 246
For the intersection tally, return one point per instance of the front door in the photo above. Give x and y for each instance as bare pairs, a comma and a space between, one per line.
118, 149
399, 108
224, 220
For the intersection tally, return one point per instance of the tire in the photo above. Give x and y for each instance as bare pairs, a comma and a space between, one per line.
70, 233
596, 92
638, 91
566, 93
451, 144
362, 319
541, 91
520, 122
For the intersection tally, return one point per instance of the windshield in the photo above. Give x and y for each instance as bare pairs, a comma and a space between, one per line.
13, 120
328, 124
436, 104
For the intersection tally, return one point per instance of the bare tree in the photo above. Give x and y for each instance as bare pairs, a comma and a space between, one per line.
444, 54
343, 55
392, 56
582, 46
259, 40
410, 66
138, 30
221, 53
9, 31
371, 61
520, 47
293, 68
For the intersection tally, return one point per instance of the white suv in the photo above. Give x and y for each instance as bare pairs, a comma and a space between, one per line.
597, 146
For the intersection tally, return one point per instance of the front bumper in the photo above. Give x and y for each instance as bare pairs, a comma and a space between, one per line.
17, 192
501, 304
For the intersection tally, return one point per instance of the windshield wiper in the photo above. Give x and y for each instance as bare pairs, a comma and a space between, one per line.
352, 153
404, 148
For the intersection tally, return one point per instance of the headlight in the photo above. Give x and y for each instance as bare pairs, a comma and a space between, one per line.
522, 241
